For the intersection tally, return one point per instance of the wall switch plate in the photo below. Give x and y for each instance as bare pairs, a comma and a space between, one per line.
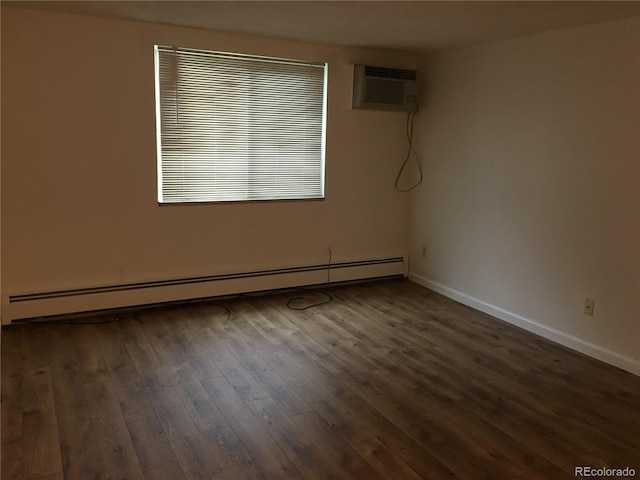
589, 305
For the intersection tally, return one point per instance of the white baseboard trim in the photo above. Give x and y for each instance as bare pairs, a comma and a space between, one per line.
583, 346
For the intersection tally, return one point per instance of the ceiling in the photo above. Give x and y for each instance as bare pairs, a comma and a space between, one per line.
398, 25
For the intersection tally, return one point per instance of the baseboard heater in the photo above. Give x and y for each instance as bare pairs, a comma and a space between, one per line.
87, 299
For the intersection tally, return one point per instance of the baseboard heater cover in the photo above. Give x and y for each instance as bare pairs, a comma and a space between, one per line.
74, 300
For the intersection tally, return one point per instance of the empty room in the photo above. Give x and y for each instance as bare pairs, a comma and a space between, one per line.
320, 240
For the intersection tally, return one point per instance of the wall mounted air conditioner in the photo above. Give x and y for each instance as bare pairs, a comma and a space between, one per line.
380, 88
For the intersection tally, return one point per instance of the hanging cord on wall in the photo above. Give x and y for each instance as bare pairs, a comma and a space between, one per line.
410, 120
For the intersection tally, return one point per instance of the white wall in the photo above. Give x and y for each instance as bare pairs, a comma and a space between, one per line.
79, 169
530, 203
531, 199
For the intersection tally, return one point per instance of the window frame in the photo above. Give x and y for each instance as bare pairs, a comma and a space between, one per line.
319, 131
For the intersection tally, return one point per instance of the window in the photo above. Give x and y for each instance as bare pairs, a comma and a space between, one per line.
237, 127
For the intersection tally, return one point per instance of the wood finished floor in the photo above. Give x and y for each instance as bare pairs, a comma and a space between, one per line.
388, 381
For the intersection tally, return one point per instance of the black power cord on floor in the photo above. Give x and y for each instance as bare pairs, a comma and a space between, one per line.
328, 299
292, 306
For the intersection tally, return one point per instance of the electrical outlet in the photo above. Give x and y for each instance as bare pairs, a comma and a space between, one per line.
589, 306
424, 251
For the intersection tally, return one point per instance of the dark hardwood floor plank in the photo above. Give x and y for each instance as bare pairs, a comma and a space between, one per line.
333, 449
51, 476
216, 318
119, 363
67, 384
194, 397
134, 400
265, 453
37, 346
275, 386
167, 343
453, 446
516, 451
14, 401
104, 406
341, 346
335, 406
203, 342
286, 367
91, 364
266, 325
195, 459
426, 466
388, 380
244, 471
292, 440
11, 384
227, 449
203, 366
140, 350
12, 458
242, 381
157, 459
245, 338
203, 339
511, 388
299, 343
40, 442
117, 454
393, 437
80, 455
546, 447
550, 473
172, 411
212, 424
384, 461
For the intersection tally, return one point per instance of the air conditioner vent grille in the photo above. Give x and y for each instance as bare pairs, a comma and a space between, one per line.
382, 88
383, 91
393, 73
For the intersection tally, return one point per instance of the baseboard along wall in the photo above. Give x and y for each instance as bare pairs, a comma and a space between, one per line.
570, 341
94, 298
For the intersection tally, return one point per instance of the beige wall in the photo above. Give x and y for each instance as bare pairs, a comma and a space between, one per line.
79, 168
531, 200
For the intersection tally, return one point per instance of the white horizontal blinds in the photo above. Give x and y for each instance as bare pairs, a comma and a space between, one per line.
238, 128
